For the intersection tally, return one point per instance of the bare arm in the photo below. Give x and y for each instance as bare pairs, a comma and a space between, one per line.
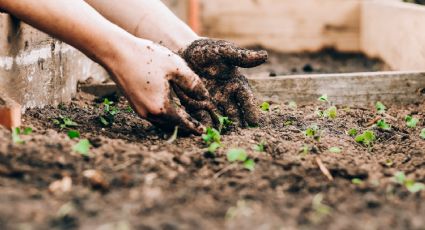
149, 19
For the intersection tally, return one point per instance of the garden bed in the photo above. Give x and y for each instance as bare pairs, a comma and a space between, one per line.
142, 181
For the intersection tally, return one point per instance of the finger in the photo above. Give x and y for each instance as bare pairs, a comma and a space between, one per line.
190, 83
228, 107
247, 104
241, 57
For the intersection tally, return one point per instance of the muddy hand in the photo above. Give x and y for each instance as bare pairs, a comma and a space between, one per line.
217, 62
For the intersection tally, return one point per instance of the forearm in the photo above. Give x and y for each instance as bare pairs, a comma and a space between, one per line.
149, 19
73, 22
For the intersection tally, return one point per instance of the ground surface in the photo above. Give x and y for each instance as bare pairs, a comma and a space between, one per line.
326, 61
151, 184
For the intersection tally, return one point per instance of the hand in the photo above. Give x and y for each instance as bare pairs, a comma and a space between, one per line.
217, 62
146, 72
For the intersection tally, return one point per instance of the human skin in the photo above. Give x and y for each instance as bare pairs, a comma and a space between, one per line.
215, 61
144, 70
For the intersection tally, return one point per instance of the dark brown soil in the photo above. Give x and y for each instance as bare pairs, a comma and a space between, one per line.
151, 184
325, 61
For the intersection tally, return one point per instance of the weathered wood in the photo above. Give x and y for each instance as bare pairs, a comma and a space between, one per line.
395, 32
285, 25
344, 89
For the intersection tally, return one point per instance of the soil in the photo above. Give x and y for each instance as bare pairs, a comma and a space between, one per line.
325, 61
140, 181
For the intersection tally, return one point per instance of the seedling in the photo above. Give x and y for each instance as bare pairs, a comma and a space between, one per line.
174, 135
410, 184
352, 132
240, 155
129, 109
357, 181
213, 147
411, 122
82, 147
331, 112
366, 138
72, 134
110, 112
212, 135
389, 162
260, 147
335, 150
380, 108
27, 131
323, 98
64, 122
224, 123
382, 124
265, 106
17, 132
305, 150
314, 132
422, 134
321, 210
288, 123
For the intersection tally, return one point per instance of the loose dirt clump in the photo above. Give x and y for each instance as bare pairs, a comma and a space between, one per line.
133, 178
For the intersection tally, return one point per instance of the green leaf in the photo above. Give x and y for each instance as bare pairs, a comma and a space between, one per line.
399, 177
68, 122
224, 123
313, 131
249, 164
82, 147
380, 108
288, 123
27, 131
323, 98
15, 136
211, 135
213, 147
104, 121
411, 122
265, 106
331, 112
129, 109
366, 138
236, 155
357, 181
422, 134
415, 187
72, 134
382, 124
352, 132
259, 148
335, 150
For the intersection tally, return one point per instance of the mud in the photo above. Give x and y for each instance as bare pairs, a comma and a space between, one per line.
143, 182
325, 61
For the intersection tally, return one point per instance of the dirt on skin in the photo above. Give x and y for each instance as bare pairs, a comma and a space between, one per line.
140, 181
325, 61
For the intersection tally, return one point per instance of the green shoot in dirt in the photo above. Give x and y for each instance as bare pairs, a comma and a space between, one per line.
389, 162
331, 112
357, 181
173, 136
213, 147
382, 124
82, 147
260, 147
224, 123
72, 134
240, 155
212, 135
422, 134
304, 150
109, 112
265, 106
352, 132
17, 132
410, 184
380, 108
366, 138
314, 132
411, 122
323, 98
335, 150
64, 122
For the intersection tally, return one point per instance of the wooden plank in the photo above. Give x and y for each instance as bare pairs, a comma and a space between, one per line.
395, 32
285, 25
344, 89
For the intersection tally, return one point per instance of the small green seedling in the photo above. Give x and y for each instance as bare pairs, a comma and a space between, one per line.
410, 184
27, 131
320, 209
292, 105
357, 181
331, 112
17, 132
352, 132
304, 150
335, 150
314, 132
382, 124
224, 123
64, 122
366, 138
260, 147
82, 147
265, 106
110, 112
380, 108
323, 98
212, 135
173, 136
288, 123
129, 109
240, 155
72, 134
213, 147
411, 122
422, 134
389, 162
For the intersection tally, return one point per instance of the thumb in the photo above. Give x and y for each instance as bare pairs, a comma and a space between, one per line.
190, 83
241, 57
